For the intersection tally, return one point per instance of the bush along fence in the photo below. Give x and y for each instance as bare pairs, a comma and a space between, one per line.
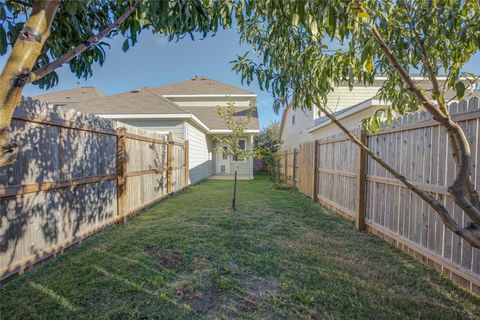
76, 174
334, 172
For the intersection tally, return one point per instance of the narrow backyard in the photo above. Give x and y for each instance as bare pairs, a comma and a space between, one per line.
278, 256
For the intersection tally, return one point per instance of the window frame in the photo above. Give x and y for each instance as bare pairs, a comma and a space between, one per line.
244, 149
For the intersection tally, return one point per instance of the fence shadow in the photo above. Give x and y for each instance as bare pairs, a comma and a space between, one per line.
63, 184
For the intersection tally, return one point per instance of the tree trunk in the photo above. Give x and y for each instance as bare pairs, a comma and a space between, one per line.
16, 72
234, 189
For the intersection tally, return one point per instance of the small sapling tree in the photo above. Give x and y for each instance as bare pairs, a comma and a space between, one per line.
234, 144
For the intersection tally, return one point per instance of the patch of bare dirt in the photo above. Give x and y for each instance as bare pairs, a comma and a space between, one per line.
257, 288
251, 301
201, 262
169, 259
199, 301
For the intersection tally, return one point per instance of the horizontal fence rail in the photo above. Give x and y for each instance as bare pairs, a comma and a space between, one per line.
76, 174
336, 173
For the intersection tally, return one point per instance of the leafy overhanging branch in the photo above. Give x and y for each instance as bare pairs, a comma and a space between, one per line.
49, 33
87, 44
298, 66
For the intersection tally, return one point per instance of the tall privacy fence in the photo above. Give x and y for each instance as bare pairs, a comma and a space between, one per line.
76, 174
334, 172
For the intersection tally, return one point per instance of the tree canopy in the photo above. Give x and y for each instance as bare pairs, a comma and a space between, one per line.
45, 34
307, 48
77, 21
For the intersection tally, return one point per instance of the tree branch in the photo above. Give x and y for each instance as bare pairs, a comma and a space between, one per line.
42, 72
455, 132
431, 74
428, 65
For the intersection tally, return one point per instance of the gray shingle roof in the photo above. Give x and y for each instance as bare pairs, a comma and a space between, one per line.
145, 101
199, 85
71, 96
132, 102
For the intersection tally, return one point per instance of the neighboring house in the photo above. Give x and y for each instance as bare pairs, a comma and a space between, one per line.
187, 109
350, 107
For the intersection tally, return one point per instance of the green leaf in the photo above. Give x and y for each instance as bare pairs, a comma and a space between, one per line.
3, 41
3, 14
363, 14
460, 90
125, 45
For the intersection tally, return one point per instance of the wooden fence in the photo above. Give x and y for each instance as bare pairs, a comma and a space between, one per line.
260, 165
290, 167
76, 174
355, 186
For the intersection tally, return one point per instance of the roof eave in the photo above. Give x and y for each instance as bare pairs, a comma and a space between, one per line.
183, 116
249, 95
360, 107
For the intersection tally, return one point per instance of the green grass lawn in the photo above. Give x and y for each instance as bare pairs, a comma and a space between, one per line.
279, 256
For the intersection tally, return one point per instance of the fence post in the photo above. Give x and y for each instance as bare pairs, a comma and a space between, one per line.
186, 150
294, 169
170, 163
315, 171
121, 175
361, 184
285, 168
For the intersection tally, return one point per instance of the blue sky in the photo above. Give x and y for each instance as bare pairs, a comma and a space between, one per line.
154, 61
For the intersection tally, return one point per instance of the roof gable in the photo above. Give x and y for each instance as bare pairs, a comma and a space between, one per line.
200, 86
132, 102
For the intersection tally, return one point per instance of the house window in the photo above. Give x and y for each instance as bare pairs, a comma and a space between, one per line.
242, 145
293, 120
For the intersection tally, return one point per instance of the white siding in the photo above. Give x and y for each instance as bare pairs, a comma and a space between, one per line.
175, 126
295, 134
200, 155
342, 97
244, 167
351, 122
